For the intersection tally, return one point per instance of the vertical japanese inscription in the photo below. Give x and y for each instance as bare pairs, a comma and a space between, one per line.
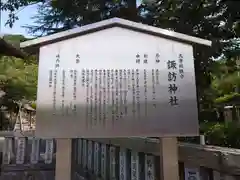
55, 82
125, 90
138, 92
108, 92
83, 77
87, 115
120, 93
153, 88
50, 80
49, 151
54, 91
116, 96
145, 60
112, 90
57, 64
95, 97
157, 58
149, 168
75, 92
122, 164
21, 149
157, 76
181, 70
138, 59
63, 91
129, 79
172, 76
100, 112
133, 94
77, 58
145, 91
128, 88
91, 97
104, 97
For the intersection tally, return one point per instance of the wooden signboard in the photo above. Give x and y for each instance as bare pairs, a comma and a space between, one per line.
116, 78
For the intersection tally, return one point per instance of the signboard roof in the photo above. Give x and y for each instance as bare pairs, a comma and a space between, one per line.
113, 23
9, 50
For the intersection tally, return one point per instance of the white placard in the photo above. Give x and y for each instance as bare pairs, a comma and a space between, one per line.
21, 148
192, 174
79, 150
90, 155
103, 161
122, 164
112, 158
35, 151
84, 153
116, 90
135, 166
7, 150
49, 151
96, 158
149, 167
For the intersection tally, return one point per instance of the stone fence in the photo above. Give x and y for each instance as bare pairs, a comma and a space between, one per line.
119, 158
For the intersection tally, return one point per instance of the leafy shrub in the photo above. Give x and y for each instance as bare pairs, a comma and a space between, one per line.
222, 134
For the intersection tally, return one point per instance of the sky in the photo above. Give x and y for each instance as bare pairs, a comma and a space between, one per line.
24, 19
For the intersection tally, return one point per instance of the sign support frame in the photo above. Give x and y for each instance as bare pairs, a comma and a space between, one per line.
63, 169
169, 168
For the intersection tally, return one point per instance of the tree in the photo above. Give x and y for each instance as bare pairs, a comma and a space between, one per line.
18, 82
55, 16
216, 20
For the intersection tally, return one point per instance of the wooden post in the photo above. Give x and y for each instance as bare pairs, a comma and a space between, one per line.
169, 169
63, 159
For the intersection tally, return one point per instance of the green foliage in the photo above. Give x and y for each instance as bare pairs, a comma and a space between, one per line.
215, 20
33, 105
18, 80
228, 83
233, 97
220, 134
14, 39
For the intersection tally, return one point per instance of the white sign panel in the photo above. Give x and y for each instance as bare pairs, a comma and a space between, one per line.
122, 164
112, 159
21, 147
90, 154
103, 160
149, 167
49, 151
35, 151
79, 154
116, 83
7, 150
96, 157
135, 175
84, 157
192, 174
